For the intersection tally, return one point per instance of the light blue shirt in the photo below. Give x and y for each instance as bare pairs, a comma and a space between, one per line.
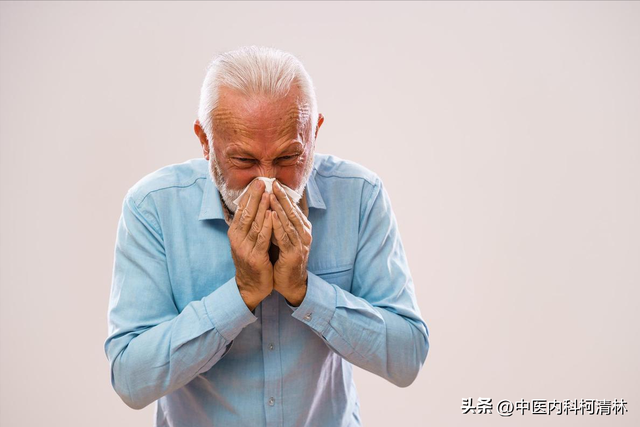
180, 333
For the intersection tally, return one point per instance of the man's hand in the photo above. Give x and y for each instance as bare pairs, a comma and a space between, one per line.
292, 230
249, 236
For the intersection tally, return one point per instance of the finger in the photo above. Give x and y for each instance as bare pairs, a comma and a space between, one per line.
243, 200
281, 235
293, 212
298, 210
241, 207
242, 203
286, 225
256, 225
264, 237
247, 212
262, 209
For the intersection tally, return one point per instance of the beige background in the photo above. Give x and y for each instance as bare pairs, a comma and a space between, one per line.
507, 135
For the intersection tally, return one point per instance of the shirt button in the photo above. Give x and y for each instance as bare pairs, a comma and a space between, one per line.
307, 317
272, 401
270, 346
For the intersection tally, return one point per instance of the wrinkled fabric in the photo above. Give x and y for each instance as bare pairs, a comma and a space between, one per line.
180, 335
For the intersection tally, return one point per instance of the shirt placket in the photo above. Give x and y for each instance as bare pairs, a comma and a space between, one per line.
272, 363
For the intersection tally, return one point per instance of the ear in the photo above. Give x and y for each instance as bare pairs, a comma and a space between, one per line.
320, 122
202, 136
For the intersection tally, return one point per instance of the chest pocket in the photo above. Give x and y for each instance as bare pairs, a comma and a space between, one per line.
339, 276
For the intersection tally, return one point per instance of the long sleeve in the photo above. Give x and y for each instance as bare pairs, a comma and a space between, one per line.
154, 349
377, 326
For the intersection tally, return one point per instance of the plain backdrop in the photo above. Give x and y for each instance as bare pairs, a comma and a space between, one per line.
507, 135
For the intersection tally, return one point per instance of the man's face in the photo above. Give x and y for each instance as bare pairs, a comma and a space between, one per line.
260, 136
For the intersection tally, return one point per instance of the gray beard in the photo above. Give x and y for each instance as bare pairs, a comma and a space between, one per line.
229, 195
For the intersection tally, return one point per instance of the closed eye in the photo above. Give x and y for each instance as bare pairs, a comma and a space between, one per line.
288, 158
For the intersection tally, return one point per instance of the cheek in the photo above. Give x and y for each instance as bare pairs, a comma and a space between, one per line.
238, 178
241, 178
288, 176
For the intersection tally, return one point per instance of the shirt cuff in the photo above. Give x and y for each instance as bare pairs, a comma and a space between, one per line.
319, 304
227, 310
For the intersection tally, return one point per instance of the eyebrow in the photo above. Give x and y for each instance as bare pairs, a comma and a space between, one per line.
291, 149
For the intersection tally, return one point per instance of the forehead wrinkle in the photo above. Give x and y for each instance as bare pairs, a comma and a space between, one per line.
295, 120
292, 122
225, 123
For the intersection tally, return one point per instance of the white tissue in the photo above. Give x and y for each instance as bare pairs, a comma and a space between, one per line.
295, 197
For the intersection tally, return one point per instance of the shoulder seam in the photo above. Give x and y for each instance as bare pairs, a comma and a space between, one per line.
166, 188
349, 177
375, 192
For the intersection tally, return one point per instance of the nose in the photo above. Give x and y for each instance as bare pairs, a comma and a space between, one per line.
268, 171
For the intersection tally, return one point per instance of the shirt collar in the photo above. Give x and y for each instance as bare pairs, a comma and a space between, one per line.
314, 197
211, 207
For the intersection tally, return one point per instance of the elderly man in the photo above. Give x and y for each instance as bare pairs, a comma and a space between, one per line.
239, 301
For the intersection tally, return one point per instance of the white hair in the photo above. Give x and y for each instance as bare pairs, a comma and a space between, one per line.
254, 70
